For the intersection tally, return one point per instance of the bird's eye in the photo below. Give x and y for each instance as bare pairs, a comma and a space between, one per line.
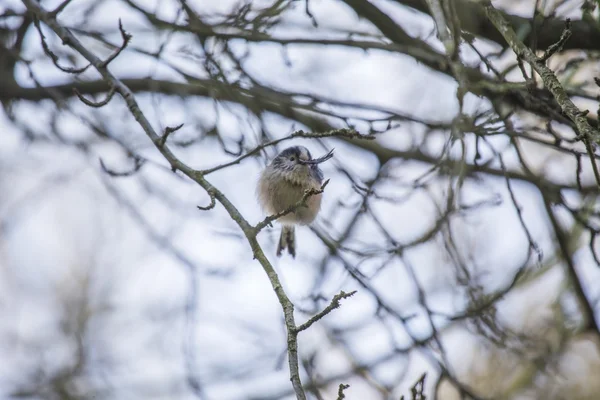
292, 158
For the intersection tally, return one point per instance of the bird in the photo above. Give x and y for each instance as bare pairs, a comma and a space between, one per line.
282, 185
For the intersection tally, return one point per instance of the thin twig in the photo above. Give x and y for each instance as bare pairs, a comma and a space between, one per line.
344, 133
53, 56
417, 390
335, 303
138, 164
310, 14
566, 34
59, 8
168, 130
211, 204
126, 39
562, 238
342, 387
94, 104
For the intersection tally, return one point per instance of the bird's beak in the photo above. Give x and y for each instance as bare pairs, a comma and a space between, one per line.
318, 160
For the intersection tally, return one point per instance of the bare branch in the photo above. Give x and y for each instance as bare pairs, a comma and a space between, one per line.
417, 390
566, 34
126, 39
138, 164
585, 130
335, 303
249, 231
53, 56
343, 133
168, 130
99, 104
586, 305
59, 8
341, 388
211, 205
310, 14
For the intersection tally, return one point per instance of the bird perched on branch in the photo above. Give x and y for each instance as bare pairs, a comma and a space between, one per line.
283, 184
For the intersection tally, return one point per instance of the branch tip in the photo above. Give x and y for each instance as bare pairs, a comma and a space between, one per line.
139, 162
212, 203
59, 8
335, 303
341, 388
54, 57
126, 39
94, 104
168, 130
552, 49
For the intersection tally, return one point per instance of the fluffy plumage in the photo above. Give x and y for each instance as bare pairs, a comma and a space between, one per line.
282, 185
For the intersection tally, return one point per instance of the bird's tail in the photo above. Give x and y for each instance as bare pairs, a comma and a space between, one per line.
287, 240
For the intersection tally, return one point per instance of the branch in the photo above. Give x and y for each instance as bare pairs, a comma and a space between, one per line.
59, 8
335, 303
53, 56
584, 129
217, 91
211, 205
341, 395
555, 47
473, 19
416, 391
538, 64
382, 21
168, 130
344, 133
94, 104
204, 88
587, 308
437, 12
288, 308
281, 103
478, 83
310, 15
138, 164
126, 39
